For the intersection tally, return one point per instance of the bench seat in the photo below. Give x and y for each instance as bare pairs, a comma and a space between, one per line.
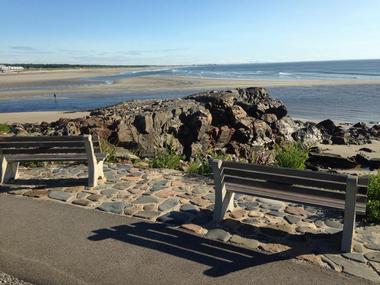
16, 149
306, 199
56, 157
340, 192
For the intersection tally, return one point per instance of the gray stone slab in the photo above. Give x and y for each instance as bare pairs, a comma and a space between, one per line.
116, 207
334, 224
276, 214
175, 218
109, 192
373, 256
292, 219
189, 208
147, 214
156, 186
373, 245
82, 202
61, 196
271, 202
200, 190
82, 195
122, 185
95, 197
355, 256
168, 204
210, 197
354, 268
248, 205
146, 199
218, 234
247, 242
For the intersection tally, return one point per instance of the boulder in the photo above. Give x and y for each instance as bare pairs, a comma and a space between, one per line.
327, 160
309, 134
327, 126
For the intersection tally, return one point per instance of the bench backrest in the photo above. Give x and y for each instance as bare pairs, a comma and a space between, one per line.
45, 144
309, 187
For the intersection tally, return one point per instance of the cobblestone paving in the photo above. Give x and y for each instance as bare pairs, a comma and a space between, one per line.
6, 279
181, 200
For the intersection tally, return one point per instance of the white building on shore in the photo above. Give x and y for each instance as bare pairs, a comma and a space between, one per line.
7, 68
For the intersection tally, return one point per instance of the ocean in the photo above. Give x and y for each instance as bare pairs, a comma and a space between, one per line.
346, 103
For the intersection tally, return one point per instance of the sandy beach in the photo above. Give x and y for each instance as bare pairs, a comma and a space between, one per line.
38, 117
48, 82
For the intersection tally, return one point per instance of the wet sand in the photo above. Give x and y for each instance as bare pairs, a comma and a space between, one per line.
38, 117
44, 82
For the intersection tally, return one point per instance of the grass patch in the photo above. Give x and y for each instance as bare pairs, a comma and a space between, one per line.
5, 129
373, 204
201, 165
109, 149
167, 159
293, 155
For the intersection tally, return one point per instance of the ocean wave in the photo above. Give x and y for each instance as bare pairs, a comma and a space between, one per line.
285, 74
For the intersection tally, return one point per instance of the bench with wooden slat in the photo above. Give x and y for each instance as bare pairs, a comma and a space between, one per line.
16, 149
346, 193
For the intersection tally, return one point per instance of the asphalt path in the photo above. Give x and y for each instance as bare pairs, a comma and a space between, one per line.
45, 242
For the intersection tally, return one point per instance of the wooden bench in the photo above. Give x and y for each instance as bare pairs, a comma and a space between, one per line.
16, 149
346, 193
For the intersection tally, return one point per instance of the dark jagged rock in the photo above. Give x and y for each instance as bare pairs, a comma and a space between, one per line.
327, 126
309, 134
327, 160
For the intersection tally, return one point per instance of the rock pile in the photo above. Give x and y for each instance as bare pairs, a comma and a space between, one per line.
327, 132
238, 121
243, 122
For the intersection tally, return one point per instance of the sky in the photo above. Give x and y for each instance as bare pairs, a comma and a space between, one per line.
187, 31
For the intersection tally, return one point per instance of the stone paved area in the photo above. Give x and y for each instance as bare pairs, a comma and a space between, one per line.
6, 279
182, 200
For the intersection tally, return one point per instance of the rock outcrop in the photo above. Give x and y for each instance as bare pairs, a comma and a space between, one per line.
242, 122
238, 121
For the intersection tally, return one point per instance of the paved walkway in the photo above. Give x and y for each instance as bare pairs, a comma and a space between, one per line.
289, 230
51, 243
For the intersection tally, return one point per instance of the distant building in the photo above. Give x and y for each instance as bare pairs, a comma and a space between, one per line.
4, 68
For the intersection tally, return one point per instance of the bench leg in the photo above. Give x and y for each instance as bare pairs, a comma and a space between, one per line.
9, 170
224, 201
349, 214
92, 176
94, 173
100, 171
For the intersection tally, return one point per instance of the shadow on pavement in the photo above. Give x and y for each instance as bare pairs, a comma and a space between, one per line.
222, 258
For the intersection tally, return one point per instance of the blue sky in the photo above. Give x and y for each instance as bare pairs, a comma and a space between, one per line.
187, 32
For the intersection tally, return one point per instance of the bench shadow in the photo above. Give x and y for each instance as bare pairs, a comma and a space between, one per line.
42, 183
221, 258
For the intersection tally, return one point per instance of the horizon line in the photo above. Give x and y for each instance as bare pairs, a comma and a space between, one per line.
190, 64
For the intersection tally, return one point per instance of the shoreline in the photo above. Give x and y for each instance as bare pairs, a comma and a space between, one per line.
39, 116
40, 83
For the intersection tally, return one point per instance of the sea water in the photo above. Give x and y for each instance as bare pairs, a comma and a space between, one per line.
348, 103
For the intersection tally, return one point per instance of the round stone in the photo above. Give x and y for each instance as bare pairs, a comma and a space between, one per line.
218, 234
